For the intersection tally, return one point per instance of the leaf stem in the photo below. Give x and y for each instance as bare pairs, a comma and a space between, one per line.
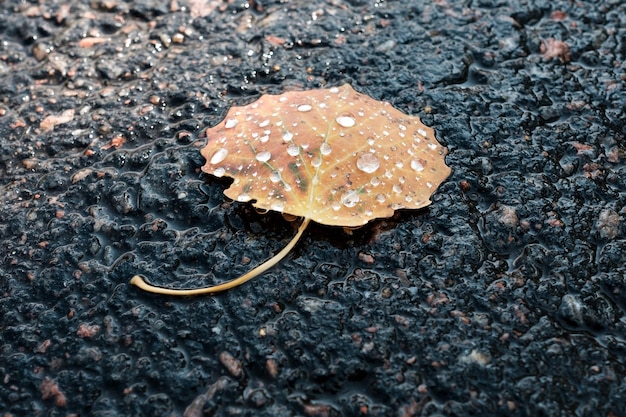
141, 282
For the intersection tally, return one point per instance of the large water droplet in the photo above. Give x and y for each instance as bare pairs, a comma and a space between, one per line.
287, 136
304, 107
219, 172
263, 156
230, 123
293, 149
219, 156
346, 121
243, 198
368, 163
325, 149
380, 198
418, 164
350, 198
397, 188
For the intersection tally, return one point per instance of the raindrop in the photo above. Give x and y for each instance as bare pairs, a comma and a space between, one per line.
219, 172
316, 162
368, 163
278, 205
230, 123
375, 181
422, 132
293, 149
304, 107
287, 136
275, 176
350, 198
264, 139
334, 90
325, 149
219, 156
380, 198
432, 146
336, 206
243, 198
264, 123
418, 165
263, 156
397, 188
346, 121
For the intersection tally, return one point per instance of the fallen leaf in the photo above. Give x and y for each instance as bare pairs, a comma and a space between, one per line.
554, 48
88, 42
333, 156
51, 121
116, 142
50, 389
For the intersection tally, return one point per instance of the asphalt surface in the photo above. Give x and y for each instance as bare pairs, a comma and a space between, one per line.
506, 296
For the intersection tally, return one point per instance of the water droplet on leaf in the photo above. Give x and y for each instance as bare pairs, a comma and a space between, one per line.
263, 156
418, 165
368, 162
219, 156
243, 198
346, 121
350, 198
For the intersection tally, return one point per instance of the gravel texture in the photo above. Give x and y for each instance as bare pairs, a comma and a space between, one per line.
506, 296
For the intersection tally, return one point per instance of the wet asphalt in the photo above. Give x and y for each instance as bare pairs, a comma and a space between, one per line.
506, 296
